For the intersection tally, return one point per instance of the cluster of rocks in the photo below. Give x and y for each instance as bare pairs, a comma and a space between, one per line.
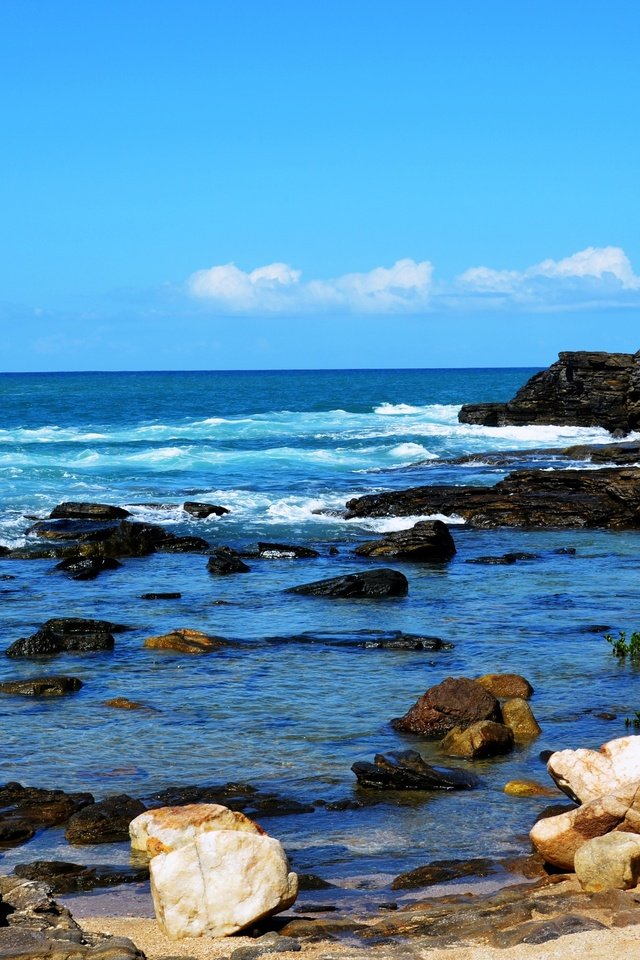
33, 925
470, 718
581, 389
600, 838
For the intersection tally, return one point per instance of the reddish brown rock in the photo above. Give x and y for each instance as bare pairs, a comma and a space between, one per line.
457, 701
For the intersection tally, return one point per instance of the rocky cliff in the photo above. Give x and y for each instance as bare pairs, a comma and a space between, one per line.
580, 389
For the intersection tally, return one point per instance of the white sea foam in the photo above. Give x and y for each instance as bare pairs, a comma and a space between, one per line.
412, 450
395, 409
393, 524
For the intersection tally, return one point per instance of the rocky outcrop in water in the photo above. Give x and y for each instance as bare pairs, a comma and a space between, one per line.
41, 686
106, 821
225, 561
455, 702
66, 634
580, 389
203, 510
406, 770
24, 810
72, 510
526, 498
428, 541
185, 640
371, 585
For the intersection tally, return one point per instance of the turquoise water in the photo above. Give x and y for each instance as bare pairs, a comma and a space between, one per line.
291, 716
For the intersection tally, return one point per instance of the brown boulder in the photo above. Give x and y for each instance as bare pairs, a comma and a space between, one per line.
185, 640
518, 716
483, 739
506, 685
457, 701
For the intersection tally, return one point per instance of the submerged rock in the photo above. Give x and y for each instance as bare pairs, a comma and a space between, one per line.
441, 871
373, 584
222, 882
86, 568
73, 529
225, 561
406, 770
185, 640
428, 541
582, 388
457, 701
64, 877
42, 686
285, 551
368, 639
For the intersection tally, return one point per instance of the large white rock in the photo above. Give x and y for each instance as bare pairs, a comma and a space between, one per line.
220, 883
585, 775
611, 862
168, 828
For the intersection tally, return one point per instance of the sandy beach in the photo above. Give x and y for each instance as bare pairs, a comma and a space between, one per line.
621, 944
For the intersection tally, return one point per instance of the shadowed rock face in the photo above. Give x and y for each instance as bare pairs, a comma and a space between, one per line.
428, 541
406, 770
581, 389
526, 498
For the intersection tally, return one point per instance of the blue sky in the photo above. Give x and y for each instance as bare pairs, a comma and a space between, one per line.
298, 184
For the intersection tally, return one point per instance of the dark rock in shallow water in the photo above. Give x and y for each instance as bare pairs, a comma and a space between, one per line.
183, 545
72, 510
89, 530
203, 510
526, 498
64, 877
236, 796
428, 541
368, 639
161, 596
506, 559
406, 770
42, 686
371, 585
441, 871
106, 821
285, 551
580, 389
86, 568
225, 561
65, 634
457, 701
24, 810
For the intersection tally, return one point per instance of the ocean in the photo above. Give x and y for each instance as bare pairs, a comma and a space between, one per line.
294, 702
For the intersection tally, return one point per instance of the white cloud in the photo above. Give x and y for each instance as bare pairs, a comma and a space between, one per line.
277, 287
594, 277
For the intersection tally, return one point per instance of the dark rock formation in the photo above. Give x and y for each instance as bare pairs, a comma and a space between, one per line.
161, 596
406, 770
225, 561
64, 877
24, 810
88, 511
441, 871
65, 634
526, 498
236, 796
175, 544
79, 530
369, 639
203, 510
456, 701
428, 541
34, 927
41, 686
506, 559
581, 388
285, 551
106, 821
371, 585
86, 568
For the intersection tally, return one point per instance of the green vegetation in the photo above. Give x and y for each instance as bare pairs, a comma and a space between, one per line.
623, 648
633, 721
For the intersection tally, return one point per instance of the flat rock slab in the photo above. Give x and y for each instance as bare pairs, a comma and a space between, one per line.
185, 640
406, 770
371, 585
42, 686
73, 510
65, 877
441, 871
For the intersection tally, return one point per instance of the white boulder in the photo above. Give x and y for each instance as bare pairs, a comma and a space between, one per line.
221, 882
168, 828
585, 775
